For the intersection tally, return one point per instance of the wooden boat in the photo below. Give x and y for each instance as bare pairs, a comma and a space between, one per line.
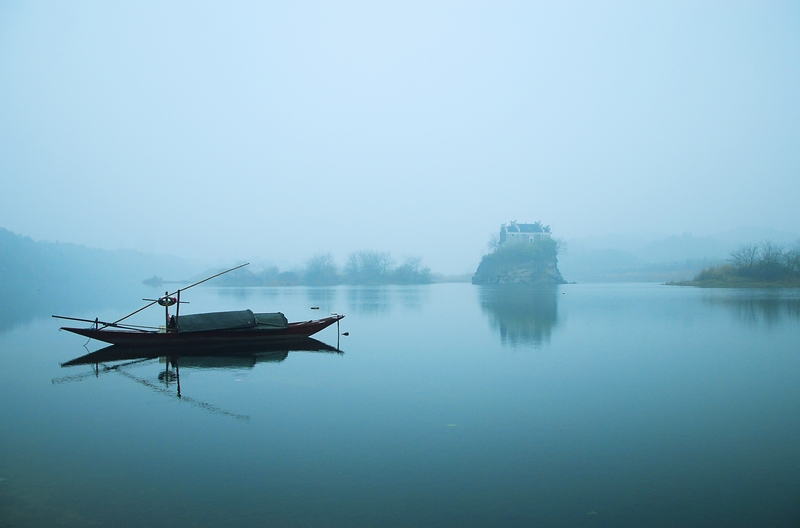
251, 334
240, 327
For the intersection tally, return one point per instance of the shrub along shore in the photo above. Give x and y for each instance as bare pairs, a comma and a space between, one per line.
765, 265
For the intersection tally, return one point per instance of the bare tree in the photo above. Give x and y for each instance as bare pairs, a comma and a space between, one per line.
369, 267
772, 252
321, 269
745, 256
494, 243
561, 246
411, 271
793, 258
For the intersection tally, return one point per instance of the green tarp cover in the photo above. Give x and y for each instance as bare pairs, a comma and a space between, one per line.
216, 321
271, 320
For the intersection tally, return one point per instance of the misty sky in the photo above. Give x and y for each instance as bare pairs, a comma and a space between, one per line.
271, 131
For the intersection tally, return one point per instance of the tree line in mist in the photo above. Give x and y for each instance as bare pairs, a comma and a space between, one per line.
51, 267
361, 267
59, 266
765, 263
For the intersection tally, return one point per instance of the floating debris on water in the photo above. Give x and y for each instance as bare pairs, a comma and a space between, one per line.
591, 513
315, 307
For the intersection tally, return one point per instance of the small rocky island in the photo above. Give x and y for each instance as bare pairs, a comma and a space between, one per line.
522, 254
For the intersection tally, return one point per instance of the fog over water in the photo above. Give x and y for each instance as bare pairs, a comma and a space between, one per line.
273, 131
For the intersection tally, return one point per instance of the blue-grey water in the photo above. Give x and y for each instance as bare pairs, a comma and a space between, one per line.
452, 405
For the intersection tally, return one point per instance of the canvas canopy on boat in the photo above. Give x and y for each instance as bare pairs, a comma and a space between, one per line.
271, 320
236, 320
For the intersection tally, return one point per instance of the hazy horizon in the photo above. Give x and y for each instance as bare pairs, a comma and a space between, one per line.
272, 132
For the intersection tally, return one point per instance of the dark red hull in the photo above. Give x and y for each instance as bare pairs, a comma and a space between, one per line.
243, 336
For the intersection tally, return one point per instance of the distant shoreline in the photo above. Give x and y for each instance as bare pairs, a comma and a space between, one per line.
765, 265
737, 282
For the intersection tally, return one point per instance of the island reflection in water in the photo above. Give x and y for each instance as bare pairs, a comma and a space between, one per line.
523, 314
121, 360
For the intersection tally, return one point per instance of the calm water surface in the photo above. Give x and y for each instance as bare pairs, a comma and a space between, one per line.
587, 405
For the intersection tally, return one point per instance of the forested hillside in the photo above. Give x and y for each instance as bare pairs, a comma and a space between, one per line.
59, 265
39, 277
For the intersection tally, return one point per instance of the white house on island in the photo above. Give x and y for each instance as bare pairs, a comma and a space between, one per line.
515, 233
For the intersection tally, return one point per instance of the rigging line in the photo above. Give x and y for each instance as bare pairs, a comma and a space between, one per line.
176, 291
135, 327
130, 314
128, 364
209, 278
106, 368
203, 405
138, 328
98, 322
73, 377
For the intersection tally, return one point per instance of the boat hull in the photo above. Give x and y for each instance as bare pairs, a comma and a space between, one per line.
245, 336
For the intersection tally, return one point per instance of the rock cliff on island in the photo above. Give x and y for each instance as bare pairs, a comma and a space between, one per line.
533, 260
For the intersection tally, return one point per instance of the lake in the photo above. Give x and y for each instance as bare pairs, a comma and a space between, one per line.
451, 405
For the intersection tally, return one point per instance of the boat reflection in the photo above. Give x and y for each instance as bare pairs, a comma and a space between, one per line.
122, 359
523, 314
215, 356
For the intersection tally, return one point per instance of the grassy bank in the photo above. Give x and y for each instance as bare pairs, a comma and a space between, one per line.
764, 265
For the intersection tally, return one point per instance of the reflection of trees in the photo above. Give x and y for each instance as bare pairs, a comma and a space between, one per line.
19, 305
759, 306
412, 296
524, 314
381, 299
368, 300
323, 296
23, 301
243, 294
321, 270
